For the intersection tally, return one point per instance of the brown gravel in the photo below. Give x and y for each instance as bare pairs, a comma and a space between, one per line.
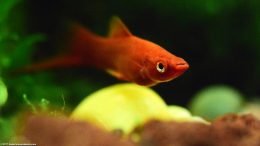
60, 131
229, 130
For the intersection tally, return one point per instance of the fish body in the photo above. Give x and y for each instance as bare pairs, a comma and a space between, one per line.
122, 54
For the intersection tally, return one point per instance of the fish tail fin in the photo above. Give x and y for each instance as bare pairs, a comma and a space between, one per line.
74, 42
56, 62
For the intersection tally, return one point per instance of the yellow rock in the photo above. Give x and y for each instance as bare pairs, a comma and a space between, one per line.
181, 114
122, 106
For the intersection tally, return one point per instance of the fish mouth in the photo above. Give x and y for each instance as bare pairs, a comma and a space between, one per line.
181, 67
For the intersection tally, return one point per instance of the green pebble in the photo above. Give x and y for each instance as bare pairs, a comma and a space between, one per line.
215, 101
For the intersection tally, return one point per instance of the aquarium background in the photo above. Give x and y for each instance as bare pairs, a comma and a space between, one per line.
219, 39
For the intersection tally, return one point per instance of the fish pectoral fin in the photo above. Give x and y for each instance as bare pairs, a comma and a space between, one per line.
117, 74
142, 72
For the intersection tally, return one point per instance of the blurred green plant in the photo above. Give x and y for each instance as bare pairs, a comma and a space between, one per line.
6, 129
3, 93
15, 46
20, 53
5, 8
16, 49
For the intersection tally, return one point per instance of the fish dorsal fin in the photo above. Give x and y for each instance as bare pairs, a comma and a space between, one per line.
118, 28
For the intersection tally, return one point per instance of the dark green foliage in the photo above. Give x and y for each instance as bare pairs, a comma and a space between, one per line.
5, 8
36, 92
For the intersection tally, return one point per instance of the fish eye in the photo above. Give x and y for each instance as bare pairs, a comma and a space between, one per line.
160, 67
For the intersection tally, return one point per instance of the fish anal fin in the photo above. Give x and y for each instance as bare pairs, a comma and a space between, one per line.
117, 74
118, 28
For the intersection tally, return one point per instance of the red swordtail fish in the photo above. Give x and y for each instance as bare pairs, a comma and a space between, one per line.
122, 54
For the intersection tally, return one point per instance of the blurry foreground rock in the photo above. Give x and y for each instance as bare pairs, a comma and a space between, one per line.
230, 130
